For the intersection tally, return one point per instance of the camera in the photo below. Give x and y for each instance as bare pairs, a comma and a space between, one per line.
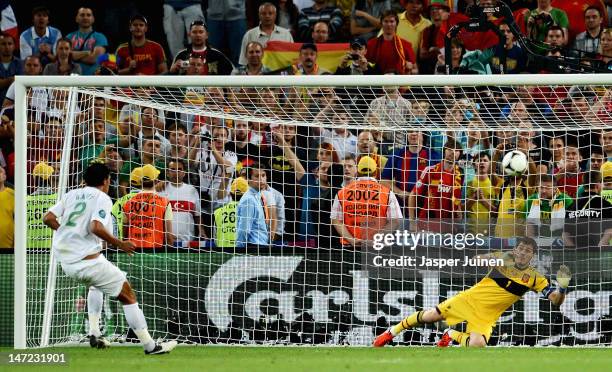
544, 19
205, 137
184, 64
354, 56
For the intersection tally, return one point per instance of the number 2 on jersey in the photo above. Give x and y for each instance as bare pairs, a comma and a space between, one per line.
79, 208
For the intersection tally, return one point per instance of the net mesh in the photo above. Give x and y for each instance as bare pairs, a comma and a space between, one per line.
442, 151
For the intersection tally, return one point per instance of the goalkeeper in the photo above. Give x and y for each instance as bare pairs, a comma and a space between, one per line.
481, 305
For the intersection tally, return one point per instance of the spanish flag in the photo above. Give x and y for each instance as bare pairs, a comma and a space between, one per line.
281, 54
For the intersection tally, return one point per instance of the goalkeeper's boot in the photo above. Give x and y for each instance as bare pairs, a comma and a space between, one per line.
98, 342
446, 340
383, 339
162, 348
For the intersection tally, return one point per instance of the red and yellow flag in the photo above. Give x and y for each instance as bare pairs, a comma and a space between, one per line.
281, 54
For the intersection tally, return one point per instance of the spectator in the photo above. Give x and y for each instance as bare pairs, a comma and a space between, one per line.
306, 63
587, 42
349, 166
287, 15
151, 154
63, 64
215, 62
389, 51
393, 111
364, 207
37, 204
177, 136
112, 158
225, 216
151, 125
7, 212
605, 141
148, 216
227, 25
604, 59
241, 144
567, 174
141, 56
193, 66
319, 11
251, 211
481, 195
540, 19
40, 39
94, 144
87, 44
546, 209
436, 198
266, 31
431, 43
216, 164
275, 203
516, 58
10, 65
135, 179
555, 37
342, 140
254, 57
326, 235
457, 52
283, 156
185, 202
365, 17
405, 166
178, 15
320, 33
411, 24
355, 62
312, 185
99, 113
366, 146
589, 222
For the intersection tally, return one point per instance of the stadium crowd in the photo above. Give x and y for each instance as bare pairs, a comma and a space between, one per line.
292, 175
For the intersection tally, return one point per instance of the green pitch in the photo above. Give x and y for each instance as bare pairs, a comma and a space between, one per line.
310, 359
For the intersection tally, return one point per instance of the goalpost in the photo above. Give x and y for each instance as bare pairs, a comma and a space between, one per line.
307, 288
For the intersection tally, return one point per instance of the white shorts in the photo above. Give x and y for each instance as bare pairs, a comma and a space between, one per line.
99, 273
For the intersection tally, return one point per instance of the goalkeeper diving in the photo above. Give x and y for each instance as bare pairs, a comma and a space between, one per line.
81, 221
481, 305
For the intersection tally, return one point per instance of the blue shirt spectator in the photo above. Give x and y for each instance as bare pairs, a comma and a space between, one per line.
87, 44
40, 39
251, 226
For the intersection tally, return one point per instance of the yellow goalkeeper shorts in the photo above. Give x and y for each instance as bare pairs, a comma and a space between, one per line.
459, 309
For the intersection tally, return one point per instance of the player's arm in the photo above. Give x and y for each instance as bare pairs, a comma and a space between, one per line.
50, 220
557, 296
98, 229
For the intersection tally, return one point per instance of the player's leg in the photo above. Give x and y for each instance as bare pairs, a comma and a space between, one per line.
136, 320
413, 320
95, 301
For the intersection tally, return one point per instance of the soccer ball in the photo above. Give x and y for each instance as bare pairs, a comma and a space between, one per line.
514, 163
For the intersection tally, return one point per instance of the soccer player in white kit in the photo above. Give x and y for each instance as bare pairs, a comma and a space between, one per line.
85, 215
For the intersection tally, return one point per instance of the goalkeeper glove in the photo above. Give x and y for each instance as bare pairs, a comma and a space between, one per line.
564, 275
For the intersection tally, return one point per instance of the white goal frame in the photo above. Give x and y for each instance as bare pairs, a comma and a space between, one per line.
22, 83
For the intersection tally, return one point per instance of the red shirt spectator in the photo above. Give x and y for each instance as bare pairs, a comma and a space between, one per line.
440, 189
390, 52
140, 56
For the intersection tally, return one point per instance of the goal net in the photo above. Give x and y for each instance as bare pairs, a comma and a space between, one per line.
449, 167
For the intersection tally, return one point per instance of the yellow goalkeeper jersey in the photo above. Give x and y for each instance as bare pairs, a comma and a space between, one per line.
502, 287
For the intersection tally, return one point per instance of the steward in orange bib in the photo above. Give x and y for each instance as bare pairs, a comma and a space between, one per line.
364, 206
148, 216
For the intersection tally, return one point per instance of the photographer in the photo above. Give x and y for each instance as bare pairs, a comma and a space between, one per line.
542, 18
354, 62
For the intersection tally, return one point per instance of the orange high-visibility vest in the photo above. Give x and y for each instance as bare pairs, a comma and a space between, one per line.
144, 215
364, 204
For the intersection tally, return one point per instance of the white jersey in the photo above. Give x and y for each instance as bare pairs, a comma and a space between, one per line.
73, 241
275, 199
211, 174
185, 202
